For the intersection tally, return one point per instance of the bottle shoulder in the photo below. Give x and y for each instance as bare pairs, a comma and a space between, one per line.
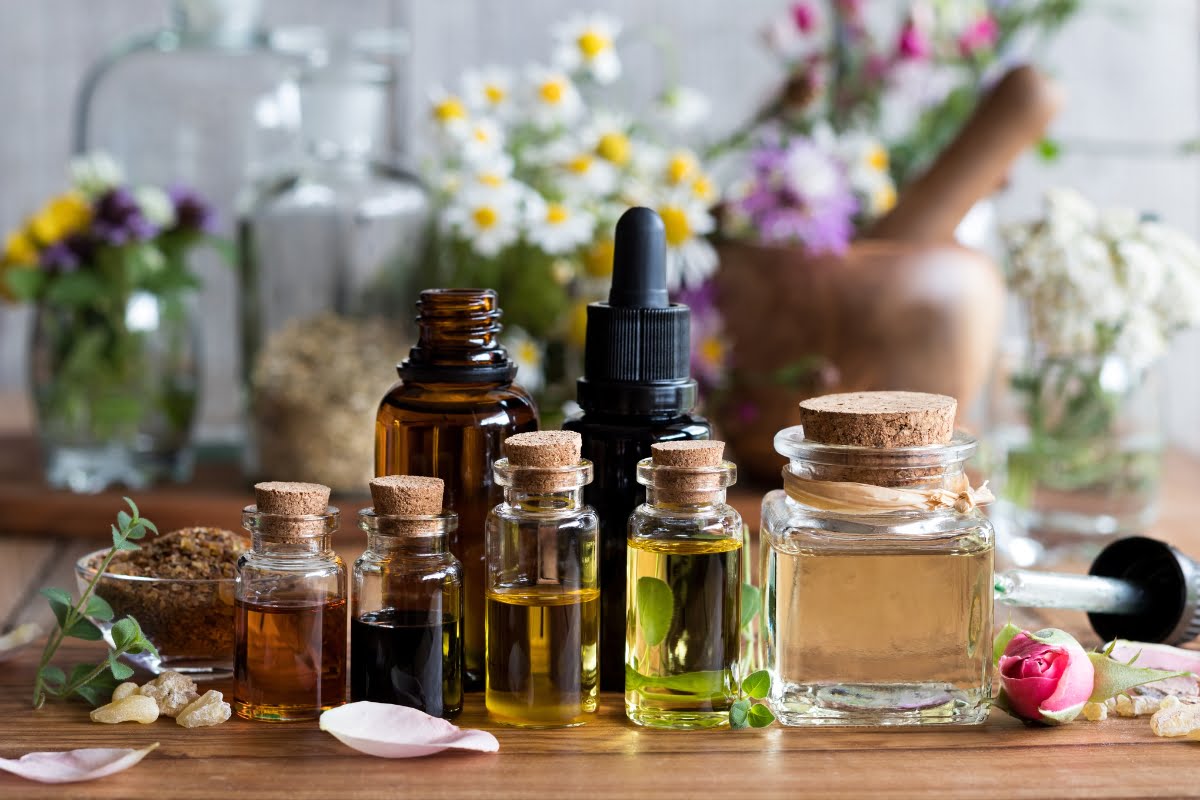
467, 399
719, 521
683, 427
583, 517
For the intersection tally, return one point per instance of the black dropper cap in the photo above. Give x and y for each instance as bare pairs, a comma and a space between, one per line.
1170, 584
636, 358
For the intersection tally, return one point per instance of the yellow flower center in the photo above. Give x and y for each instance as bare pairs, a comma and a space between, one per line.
556, 214
883, 199
598, 261
494, 93
614, 147
552, 91
675, 220
62, 216
680, 167
703, 188
482, 135
577, 324
712, 350
491, 179
527, 354
580, 164
449, 109
592, 43
485, 217
20, 249
877, 159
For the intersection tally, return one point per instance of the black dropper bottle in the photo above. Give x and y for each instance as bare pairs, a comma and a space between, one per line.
636, 390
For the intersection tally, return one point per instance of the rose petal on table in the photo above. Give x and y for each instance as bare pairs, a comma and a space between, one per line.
18, 638
391, 731
72, 766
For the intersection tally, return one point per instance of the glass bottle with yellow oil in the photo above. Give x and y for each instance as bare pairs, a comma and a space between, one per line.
683, 643
543, 598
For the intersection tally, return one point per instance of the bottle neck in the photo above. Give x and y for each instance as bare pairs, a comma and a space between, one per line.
228, 23
535, 501
290, 546
673, 500
408, 545
458, 339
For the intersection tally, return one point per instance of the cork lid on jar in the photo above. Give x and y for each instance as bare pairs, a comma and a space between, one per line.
546, 461
285, 509
401, 500
879, 419
689, 472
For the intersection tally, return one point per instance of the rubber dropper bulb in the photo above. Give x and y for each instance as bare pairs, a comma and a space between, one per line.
639, 277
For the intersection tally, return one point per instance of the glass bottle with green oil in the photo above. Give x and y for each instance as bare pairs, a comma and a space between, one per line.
543, 597
683, 640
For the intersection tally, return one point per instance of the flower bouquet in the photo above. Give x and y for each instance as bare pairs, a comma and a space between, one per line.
114, 360
531, 171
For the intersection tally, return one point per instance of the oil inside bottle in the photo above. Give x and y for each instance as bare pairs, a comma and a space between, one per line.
290, 662
408, 658
684, 637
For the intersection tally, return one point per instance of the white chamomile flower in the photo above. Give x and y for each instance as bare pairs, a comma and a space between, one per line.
488, 219
155, 205
682, 108
492, 172
554, 99
579, 170
489, 90
691, 259
586, 45
95, 173
448, 112
608, 135
678, 168
558, 228
482, 138
527, 353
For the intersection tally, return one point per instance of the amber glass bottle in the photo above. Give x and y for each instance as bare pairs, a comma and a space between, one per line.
447, 417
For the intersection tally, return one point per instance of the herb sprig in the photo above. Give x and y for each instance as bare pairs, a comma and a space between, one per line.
93, 682
745, 712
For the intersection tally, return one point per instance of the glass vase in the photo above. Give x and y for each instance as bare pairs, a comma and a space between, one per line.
115, 389
1079, 449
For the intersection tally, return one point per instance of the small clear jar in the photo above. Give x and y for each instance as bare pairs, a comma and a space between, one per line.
290, 619
877, 616
683, 641
543, 597
406, 614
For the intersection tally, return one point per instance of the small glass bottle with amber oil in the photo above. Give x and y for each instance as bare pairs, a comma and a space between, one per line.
447, 417
406, 614
877, 566
290, 607
683, 645
543, 600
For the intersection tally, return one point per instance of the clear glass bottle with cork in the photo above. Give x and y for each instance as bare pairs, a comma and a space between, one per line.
878, 567
543, 598
683, 648
290, 615
448, 417
406, 613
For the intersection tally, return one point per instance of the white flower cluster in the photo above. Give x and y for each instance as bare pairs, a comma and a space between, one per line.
524, 160
865, 159
1104, 281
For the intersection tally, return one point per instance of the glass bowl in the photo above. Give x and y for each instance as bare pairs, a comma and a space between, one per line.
190, 621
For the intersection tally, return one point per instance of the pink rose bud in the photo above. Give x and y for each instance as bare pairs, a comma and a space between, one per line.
979, 35
914, 44
1047, 676
804, 17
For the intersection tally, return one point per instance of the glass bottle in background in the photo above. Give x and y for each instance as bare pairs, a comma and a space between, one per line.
327, 253
543, 595
290, 607
406, 614
448, 417
683, 649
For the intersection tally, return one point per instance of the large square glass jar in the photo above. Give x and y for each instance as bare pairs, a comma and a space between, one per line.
877, 568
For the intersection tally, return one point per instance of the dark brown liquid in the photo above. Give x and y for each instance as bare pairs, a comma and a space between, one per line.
289, 660
407, 658
455, 432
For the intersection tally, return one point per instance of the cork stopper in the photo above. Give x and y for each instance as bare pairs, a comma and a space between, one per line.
553, 451
879, 419
289, 501
688, 472
407, 495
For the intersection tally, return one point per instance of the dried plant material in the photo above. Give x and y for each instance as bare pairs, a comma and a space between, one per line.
208, 709
186, 554
18, 638
135, 708
1095, 712
1176, 719
1136, 705
391, 731
72, 766
172, 691
315, 390
124, 690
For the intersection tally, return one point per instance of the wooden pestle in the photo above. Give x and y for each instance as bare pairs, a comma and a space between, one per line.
1012, 116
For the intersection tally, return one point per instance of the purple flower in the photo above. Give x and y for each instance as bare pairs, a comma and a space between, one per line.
709, 344
192, 212
59, 257
797, 194
119, 220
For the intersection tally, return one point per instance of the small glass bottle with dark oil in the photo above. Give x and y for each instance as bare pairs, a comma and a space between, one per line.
406, 616
290, 607
543, 599
683, 644
448, 417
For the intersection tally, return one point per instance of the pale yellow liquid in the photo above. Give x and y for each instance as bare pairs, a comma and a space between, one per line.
879, 637
542, 656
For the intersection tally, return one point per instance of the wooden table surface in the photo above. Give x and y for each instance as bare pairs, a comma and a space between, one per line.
606, 758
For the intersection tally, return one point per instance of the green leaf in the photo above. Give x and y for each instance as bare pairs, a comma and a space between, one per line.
655, 609
739, 714
1114, 677
84, 628
1049, 150
60, 603
701, 682
125, 632
98, 691
98, 608
760, 716
150, 526
119, 670
80, 671
123, 520
1001, 641
52, 676
23, 283
132, 507
757, 684
137, 531
751, 603
74, 289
